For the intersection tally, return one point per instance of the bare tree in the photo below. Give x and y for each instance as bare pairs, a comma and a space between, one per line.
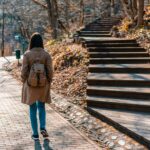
53, 16
140, 4
81, 12
134, 9
112, 7
67, 6
94, 8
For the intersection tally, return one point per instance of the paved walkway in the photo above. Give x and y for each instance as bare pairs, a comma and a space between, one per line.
15, 130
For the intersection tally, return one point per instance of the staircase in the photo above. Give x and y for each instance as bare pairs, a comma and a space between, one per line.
98, 28
118, 89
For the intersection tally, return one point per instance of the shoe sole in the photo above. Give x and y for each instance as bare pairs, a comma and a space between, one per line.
35, 139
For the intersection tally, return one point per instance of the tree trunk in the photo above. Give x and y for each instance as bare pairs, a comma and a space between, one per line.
128, 8
81, 12
148, 2
134, 7
140, 4
67, 5
49, 7
94, 9
124, 4
53, 16
52, 9
112, 7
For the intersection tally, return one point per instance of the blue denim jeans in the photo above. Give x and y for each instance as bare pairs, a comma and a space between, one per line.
33, 116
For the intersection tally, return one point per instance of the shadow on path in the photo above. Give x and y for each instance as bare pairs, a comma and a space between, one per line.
46, 146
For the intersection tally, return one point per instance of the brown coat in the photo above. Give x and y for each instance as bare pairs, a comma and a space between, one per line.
31, 94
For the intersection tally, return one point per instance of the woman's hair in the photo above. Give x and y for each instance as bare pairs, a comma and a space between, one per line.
36, 41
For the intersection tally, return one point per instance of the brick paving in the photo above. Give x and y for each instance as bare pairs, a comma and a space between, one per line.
15, 129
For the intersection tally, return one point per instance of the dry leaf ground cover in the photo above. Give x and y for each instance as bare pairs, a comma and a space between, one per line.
70, 63
142, 34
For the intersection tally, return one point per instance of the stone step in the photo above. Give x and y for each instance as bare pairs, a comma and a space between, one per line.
93, 32
93, 35
123, 80
99, 29
107, 21
113, 40
119, 92
133, 123
116, 49
98, 26
92, 44
117, 54
110, 19
132, 60
116, 103
120, 68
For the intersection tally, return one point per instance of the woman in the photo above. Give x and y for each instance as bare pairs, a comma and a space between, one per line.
36, 96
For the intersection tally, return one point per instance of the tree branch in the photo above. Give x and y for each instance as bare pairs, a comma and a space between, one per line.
46, 7
39, 3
